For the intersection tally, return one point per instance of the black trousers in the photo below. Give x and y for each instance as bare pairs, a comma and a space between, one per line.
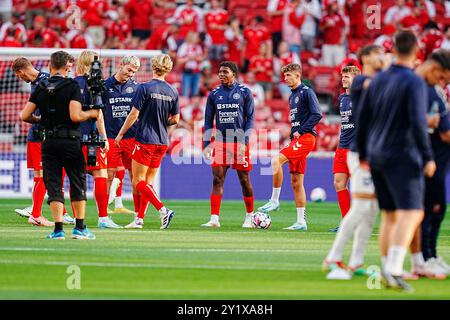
435, 206
56, 155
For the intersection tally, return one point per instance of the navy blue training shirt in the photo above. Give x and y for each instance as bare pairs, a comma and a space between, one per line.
233, 109
85, 126
118, 102
347, 122
35, 126
155, 100
304, 111
441, 149
392, 125
356, 92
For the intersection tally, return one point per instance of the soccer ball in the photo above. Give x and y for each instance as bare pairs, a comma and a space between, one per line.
261, 220
318, 195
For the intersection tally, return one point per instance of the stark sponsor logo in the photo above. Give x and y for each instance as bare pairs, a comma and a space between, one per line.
221, 106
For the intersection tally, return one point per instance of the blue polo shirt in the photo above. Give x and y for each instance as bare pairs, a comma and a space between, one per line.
347, 123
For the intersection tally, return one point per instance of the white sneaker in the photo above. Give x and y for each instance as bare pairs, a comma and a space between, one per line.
113, 189
298, 226
433, 270
443, 265
107, 222
26, 212
247, 222
270, 206
211, 224
166, 218
67, 219
137, 223
40, 222
339, 274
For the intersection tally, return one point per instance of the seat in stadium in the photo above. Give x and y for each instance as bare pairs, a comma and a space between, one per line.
324, 80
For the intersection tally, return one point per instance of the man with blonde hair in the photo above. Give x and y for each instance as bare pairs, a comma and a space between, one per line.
120, 90
156, 106
304, 114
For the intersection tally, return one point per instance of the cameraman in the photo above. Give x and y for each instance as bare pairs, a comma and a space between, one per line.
98, 170
59, 102
120, 90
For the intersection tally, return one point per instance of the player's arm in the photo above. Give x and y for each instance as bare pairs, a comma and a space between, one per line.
27, 113
175, 112
129, 121
210, 112
101, 129
363, 118
315, 113
444, 123
249, 115
78, 115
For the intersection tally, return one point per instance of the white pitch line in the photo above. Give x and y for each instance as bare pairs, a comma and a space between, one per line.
157, 266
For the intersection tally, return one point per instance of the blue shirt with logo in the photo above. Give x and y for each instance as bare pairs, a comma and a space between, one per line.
304, 111
155, 100
347, 123
233, 109
31, 137
118, 102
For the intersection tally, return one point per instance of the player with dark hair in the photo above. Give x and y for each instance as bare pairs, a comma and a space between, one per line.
231, 105
305, 114
24, 70
392, 138
341, 172
156, 106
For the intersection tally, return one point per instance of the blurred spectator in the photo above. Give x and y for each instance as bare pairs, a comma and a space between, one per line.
57, 18
189, 17
446, 42
164, 39
191, 113
43, 37
6, 8
255, 88
386, 40
255, 35
94, 11
9, 39
80, 39
216, 23
275, 10
262, 66
431, 39
235, 41
333, 27
312, 12
208, 81
190, 55
356, 14
118, 30
37, 8
140, 13
284, 57
20, 33
416, 20
292, 22
397, 12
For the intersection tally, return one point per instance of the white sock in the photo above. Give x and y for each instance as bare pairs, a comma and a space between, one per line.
214, 218
118, 202
248, 214
162, 211
275, 195
383, 262
417, 259
395, 260
301, 215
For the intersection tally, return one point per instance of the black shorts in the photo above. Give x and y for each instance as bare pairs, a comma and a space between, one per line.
56, 155
399, 187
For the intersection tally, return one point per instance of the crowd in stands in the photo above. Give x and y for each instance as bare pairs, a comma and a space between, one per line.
259, 35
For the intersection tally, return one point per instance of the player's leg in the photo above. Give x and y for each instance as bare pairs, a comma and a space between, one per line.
117, 188
101, 198
300, 201
247, 192
38, 194
67, 219
219, 173
277, 170
143, 205
127, 148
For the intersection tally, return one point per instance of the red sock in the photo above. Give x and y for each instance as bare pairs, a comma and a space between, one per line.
38, 197
142, 207
120, 175
249, 201
101, 196
136, 201
215, 201
344, 201
149, 194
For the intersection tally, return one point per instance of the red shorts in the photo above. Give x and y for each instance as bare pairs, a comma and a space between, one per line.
225, 154
340, 161
297, 151
34, 155
149, 155
120, 156
101, 160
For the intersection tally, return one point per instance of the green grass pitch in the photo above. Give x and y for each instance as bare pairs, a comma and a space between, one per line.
187, 261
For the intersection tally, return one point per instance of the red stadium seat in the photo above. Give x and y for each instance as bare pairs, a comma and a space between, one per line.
324, 80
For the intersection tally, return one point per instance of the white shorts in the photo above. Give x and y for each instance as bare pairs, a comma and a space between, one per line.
360, 179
